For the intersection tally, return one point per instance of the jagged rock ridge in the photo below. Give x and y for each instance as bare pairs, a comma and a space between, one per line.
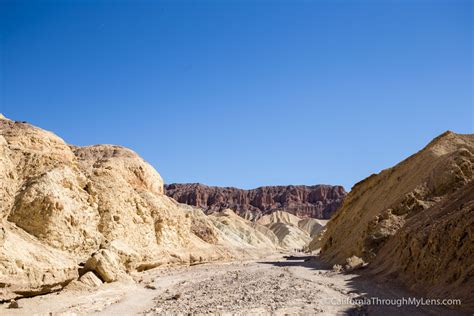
318, 201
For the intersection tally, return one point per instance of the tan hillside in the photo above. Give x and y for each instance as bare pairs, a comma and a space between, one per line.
379, 205
66, 210
289, 236
292, 231
279, 217
237, 230
435, 250
312, 225
414, 220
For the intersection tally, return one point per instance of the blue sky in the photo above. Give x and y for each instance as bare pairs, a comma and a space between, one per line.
243, 93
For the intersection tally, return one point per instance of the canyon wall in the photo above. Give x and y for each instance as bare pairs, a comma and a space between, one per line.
318, 201
66, 211
413, 223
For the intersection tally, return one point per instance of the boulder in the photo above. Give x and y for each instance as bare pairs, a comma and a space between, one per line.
106, 264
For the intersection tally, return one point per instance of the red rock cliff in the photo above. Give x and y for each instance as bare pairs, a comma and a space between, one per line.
318, 201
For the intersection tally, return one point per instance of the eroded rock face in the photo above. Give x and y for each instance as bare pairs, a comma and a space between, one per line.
55, 208
319, 201
28, 267
65, 209
413, 222
434, 249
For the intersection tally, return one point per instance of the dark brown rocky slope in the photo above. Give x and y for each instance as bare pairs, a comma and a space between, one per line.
318, 201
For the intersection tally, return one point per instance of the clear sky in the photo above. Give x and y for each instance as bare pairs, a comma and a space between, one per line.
243, 93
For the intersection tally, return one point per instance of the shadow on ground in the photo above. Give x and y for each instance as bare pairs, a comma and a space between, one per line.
361, 283
309, 262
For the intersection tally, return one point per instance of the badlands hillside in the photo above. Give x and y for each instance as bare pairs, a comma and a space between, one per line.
86, 215
292, 232
413, 223
317, 201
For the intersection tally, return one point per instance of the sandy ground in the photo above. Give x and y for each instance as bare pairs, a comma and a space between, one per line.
276, 285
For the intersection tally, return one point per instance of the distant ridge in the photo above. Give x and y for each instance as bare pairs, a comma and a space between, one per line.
317, 201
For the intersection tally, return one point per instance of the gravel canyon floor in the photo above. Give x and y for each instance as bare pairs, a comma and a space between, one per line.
279, 284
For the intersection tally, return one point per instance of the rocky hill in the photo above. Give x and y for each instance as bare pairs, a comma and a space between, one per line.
413, 222
97, 214
292, 232
318, 201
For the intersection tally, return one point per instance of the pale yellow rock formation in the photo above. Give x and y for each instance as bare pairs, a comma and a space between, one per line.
65, 209
292, 232
279, 217
312, 225
241, 232
28, 267
289, 236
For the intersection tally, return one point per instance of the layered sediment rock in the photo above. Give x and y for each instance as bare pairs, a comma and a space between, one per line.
291, 231
318, 201
413, 222
67, 210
